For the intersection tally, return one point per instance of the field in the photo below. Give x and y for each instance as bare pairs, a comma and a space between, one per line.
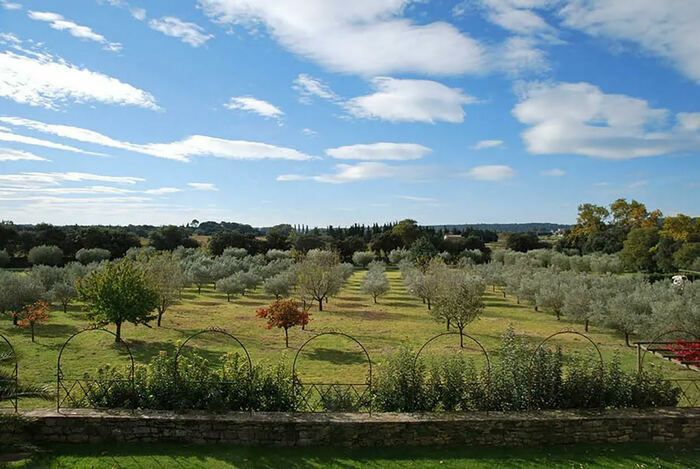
131, 456
398, 320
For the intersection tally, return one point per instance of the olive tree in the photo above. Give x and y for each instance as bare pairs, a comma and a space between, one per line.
362, 258
18, 291
459, 300
88, 256
375, 282
319, 275
279, 285
166, 274
231, 285
45, 255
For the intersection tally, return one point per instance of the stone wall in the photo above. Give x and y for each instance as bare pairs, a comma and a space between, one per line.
678, 426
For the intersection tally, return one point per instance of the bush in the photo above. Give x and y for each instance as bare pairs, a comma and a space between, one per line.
88, 256
4, 258
226, 385
45, 255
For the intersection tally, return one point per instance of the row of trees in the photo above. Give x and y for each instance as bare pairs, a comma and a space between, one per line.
645, 240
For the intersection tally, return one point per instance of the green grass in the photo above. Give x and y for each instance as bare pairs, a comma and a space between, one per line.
398, 320
149, 456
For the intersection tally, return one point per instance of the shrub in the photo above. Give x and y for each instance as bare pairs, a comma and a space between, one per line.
45, 255
88, 256
4, 258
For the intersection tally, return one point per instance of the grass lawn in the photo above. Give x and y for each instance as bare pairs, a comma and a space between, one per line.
398, 320
167, 456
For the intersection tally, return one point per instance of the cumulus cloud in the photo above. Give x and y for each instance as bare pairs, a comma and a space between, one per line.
183, 150
484, 144
364, 171
58, 22
578, 118
404, 100
666, 29
40, 79
254, 105
367, 37
189, 33
493, 172
380, 151
203, 186
8, 154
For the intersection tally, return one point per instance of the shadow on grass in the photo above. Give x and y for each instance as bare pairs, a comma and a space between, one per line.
337, 357
201, 456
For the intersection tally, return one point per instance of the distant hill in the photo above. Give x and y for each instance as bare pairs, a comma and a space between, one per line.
508, 227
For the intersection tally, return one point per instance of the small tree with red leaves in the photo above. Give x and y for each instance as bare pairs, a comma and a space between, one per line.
35, 313
284, 314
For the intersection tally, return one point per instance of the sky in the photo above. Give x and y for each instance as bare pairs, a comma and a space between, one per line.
333, 112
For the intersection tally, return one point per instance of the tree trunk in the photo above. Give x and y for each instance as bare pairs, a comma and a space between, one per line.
320, 304
537, 308
585, 325
461, 339
494, 288
375, 300
228, 297
448, 324
65, 308
31, 325
160, 316
428, 304
199, 289
504, 293
286, 338
118, 338
558, 315
15, 319
627, 339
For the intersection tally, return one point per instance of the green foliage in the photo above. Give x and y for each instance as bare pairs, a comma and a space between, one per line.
4, 258
45, 255
520, 380
119, 292
167, 238
88, 256
226, 384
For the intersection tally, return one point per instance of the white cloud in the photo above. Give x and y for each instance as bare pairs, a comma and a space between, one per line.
189, 33
638, 184
7, 5
138, 13
162, 191
203, 186
42, 80
345, 173
183, 150
309, 87
517, 55
34, 180
413, 198
16, 138
309, 132
399, 100
59, 23
494, 172
367, 37
380, 151
484, 144
554, 172
8, 154
668, 29
578, 118
257, 106
516, 16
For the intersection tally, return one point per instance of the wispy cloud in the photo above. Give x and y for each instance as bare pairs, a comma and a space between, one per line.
380, 151
485, 144
203, 186
60, 23
254, 105
493, 173
189, 33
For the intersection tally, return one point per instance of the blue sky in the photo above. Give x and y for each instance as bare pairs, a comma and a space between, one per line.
332, 112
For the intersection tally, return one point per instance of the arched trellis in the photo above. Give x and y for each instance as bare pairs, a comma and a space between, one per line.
571, 332
212, 330
9, 383
644, 347
81, 387
538, 349
328, 391
473, 339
